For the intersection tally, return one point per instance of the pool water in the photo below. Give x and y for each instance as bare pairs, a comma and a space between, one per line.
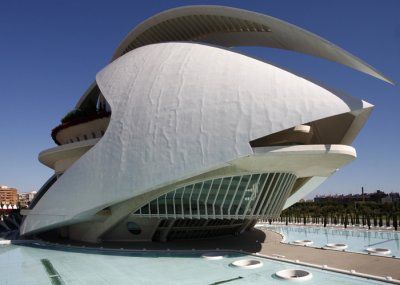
36, 264
358, 240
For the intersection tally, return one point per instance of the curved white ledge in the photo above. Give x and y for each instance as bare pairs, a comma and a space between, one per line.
302, 160
306, 149
50, 156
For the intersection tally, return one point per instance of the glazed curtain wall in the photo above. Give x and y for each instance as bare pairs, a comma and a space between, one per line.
247, 196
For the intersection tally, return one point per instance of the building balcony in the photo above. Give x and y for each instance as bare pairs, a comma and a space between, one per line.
81, 128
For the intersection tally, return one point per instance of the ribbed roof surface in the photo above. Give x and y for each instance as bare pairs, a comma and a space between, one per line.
193, 28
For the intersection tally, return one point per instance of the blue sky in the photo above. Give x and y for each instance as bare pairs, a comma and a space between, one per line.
50, 52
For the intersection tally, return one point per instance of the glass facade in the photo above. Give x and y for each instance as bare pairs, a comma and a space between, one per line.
260, 195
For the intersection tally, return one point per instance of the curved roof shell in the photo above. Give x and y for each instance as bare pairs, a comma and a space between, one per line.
228, 27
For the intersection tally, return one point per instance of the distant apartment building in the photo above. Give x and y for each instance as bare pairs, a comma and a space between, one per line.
25, 199
8, 195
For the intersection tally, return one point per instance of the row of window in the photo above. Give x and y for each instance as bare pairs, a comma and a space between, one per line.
85, 137
229, 197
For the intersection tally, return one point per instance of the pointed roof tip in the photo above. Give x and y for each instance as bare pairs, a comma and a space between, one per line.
390, 81
377, 74
380, 76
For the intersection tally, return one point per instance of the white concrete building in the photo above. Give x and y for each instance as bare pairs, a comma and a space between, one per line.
182, 137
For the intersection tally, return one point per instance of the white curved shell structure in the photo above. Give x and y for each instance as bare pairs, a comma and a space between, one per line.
199, 137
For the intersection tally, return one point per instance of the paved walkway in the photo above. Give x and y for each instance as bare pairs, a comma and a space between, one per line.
363, 263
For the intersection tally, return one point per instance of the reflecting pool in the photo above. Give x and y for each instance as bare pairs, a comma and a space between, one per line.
42, 264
